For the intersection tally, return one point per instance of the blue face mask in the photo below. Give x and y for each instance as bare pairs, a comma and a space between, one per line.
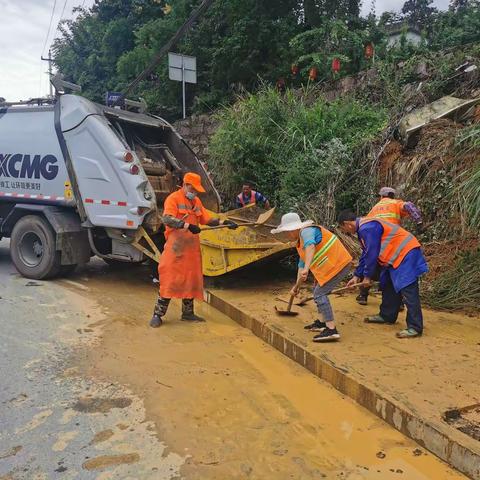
191, 195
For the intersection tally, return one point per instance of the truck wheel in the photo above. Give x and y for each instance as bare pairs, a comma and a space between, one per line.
32, 247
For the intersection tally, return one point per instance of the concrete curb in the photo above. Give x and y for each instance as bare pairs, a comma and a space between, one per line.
447, 443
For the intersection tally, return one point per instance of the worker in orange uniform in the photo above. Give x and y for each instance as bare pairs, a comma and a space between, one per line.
323, 254
180, 267
392, 210
400, 256
248, 196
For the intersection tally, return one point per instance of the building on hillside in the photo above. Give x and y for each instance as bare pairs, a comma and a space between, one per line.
396, 30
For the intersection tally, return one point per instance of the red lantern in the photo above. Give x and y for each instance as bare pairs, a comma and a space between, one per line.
369, 50
294, 70
312, 74
336, 65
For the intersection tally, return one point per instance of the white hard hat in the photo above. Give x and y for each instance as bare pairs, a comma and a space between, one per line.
291, 221
385, 191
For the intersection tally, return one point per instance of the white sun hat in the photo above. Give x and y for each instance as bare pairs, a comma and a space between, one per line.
291, 221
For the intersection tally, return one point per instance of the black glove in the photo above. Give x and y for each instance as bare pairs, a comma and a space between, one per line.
420, 228
195, 229
231, 225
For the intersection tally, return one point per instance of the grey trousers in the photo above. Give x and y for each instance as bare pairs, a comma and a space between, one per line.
320, 294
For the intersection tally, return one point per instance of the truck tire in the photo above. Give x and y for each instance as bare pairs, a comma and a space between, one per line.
32, 248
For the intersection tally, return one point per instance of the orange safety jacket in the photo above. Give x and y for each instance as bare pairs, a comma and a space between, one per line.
396, 242
253, 199
389, 209
191, 211
330, 257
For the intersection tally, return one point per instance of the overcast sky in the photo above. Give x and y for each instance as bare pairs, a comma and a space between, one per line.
23, 33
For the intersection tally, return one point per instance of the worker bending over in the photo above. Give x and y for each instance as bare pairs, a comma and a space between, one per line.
248, 197
399, 254
322, 253
392, 210
180, 267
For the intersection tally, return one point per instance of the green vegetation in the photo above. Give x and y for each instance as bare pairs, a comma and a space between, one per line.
294, 150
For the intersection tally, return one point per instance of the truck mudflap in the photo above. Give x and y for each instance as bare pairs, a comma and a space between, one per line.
71, 237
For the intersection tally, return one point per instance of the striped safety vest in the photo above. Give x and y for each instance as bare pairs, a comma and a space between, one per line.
396, 242
389, 209
330, 258
252, 200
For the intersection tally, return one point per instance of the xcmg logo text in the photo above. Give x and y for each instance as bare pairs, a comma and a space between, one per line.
19, 165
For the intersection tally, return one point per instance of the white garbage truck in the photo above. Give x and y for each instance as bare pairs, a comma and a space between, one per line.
79, 179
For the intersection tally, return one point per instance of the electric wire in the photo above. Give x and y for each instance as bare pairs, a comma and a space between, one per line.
49, 26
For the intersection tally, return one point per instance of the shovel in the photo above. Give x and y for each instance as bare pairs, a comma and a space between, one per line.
304, 301
261, 220
288, 312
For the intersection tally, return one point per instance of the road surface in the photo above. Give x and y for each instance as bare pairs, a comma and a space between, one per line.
89, 391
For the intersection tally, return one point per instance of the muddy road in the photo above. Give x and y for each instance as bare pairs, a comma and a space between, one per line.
89, 391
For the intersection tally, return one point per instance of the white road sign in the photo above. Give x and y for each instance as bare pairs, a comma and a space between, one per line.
182, 68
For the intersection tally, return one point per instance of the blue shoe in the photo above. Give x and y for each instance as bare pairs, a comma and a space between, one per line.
408, 333
377, 319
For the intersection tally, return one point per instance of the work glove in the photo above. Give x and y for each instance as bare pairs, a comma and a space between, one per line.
195, 229
231, 225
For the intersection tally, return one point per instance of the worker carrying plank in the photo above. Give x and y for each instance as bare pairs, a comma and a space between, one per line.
321, 253
392, 210
400, 256
250, 197
180, 267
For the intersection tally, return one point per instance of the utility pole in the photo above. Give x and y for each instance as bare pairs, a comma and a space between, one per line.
50, 61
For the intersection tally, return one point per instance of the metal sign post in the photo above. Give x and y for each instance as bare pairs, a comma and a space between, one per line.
182, 68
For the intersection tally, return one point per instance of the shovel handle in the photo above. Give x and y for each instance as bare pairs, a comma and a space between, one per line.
344, 289
227, 226
290, 302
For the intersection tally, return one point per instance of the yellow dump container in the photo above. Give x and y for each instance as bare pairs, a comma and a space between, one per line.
224, 250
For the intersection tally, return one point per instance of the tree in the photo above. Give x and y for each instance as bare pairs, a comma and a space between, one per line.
458, 5
418, 12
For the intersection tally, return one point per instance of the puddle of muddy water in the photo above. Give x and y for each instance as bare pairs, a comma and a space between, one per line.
100, 405
235, 406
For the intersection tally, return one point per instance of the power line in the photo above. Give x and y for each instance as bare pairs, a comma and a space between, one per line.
61, 16
49, 26
170, 44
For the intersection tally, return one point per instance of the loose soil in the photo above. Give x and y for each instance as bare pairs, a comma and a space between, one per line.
238, 408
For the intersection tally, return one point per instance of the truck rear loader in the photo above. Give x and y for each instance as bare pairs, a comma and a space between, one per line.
79, 179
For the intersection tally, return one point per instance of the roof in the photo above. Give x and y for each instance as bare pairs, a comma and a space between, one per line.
398, 27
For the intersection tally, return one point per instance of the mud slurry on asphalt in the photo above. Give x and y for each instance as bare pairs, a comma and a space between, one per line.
236, 408
56, 424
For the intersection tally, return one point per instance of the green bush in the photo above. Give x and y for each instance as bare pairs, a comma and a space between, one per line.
289, 148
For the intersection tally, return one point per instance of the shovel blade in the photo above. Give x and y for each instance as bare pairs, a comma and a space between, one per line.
265, 217
285, 313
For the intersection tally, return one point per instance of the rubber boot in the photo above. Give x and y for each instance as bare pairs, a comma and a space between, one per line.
188, 314
362, 297
160, 310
